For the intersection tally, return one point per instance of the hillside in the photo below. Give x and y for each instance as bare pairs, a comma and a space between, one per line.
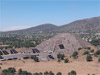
85, 25
90, 25
43, 28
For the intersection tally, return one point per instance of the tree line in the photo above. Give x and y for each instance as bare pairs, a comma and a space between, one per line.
12, 71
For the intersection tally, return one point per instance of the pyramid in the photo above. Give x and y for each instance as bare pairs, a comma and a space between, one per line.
62, 43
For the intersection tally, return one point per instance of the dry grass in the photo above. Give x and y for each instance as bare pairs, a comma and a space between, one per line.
81, 67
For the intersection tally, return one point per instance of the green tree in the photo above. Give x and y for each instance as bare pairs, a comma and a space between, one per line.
92, 50
51, 73
86, 52
35, 58
60, 56
89, 48
79, 48
46, 73
97, 52
75, 54
72, 73
59, 73
89, 58
9, 71
40, 73
66, 60
19, 71
35, 74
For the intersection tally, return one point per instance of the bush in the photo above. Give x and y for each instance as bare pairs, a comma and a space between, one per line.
75, 54
46, 73
99, 60
40, 73
25, 73
92, 50
89, 58
59, 60
59, 73
95, 42
12, 70
19, 71
35, 74
79, 48
97, 52
60, 56
35, 58
88, 48
51, 73
9, 71
66, 60
87, 52
72, 73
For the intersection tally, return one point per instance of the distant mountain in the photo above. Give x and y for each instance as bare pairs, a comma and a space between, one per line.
85, 25
44, 28
90, 25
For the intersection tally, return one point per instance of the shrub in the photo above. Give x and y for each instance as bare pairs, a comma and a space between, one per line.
97, 52
89, 58
46, 73
79, 48
98, 59
69, 73
88, 48
72, 73
75, 54
92, 50
35, 58
66, 60
59, 73
12, 70
5, 72
19, 71
26, 73
51, 73
9, 71
60, 56
86, 52
59, 60
40, 73
35, 74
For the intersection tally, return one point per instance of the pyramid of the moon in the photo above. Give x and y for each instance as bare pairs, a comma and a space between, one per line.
64, 42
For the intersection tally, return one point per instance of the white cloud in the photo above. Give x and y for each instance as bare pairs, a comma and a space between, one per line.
14, 28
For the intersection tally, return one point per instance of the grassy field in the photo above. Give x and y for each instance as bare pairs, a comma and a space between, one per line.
81, 67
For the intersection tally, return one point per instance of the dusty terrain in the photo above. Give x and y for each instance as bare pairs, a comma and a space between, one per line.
81, 67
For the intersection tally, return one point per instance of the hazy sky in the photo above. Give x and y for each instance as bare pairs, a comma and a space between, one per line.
19, 14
